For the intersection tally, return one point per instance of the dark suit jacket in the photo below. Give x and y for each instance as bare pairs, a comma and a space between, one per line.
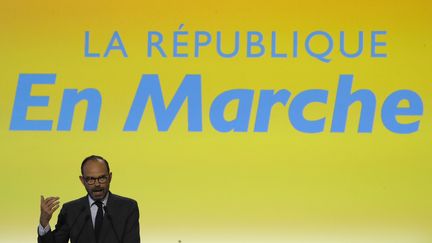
120, 224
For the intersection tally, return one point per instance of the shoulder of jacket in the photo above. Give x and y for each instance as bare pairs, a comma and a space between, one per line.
123, 199
80, 202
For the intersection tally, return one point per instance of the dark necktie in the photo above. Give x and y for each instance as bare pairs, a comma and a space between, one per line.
98, 219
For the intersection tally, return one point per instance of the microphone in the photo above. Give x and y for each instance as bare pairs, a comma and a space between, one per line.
111, 223
87, 217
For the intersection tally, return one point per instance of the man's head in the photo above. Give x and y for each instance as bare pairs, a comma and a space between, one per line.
96, 176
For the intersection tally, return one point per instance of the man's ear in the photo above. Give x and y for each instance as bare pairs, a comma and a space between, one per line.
110, 176
82, 179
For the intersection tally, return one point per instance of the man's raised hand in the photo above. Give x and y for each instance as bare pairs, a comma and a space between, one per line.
48, 206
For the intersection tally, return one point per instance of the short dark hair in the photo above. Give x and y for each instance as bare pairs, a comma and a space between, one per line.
94, 157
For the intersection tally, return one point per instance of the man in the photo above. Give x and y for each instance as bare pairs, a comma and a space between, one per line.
98, 217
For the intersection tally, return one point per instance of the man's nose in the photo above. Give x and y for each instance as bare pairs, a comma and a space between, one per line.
97, 183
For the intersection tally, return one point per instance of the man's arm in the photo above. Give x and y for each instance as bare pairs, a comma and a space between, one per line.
132, 229
43, 230
47, 206
61, 233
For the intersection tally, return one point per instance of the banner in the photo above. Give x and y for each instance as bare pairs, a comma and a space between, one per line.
227, 121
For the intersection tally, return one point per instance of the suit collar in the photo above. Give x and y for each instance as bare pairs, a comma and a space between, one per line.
113, 206
104, 201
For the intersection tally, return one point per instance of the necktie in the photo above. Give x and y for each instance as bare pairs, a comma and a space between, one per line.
99, 219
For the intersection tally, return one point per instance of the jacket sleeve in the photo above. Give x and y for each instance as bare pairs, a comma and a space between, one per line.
132, 229
61, 232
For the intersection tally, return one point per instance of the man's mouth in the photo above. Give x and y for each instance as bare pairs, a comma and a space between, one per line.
98, 190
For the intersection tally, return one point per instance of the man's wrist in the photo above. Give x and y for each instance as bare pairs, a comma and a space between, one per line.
44, 223
43, 230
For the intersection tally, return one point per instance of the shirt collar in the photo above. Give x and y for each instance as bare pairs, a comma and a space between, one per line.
104, 201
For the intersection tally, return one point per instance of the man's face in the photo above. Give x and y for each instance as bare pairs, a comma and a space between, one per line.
96, 179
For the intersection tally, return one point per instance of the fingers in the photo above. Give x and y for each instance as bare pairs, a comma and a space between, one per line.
52, 203
54, 208
50, 199
49, 204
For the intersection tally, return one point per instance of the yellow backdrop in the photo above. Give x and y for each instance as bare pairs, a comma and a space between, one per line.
278, 186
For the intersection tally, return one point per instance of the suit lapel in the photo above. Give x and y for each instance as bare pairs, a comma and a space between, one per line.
107, 225
88, 234
105, 229
85, 231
